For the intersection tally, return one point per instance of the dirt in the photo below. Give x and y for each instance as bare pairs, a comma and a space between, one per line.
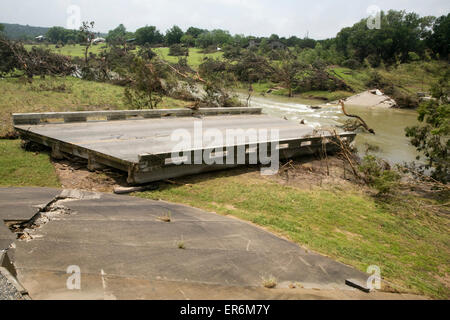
306, 173
311, 172
75, 175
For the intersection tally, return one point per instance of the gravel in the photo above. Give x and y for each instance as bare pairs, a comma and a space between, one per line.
7, 290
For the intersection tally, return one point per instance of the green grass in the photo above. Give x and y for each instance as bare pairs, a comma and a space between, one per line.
70, 50
17, 96
409, 244
415, 76
21, 168
356, 79
408, 77
326, 95
194, 59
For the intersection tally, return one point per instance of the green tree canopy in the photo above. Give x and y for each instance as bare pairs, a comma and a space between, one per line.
174, 35
195, 32
60, 34
148, 35
118, 34
399, 34
439, 40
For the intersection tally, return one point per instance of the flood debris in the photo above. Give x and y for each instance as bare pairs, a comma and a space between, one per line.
359, 123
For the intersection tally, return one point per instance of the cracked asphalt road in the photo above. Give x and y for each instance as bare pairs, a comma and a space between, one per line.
125, 251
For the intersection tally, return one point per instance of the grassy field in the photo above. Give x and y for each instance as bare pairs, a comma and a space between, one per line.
75, 50
194, 59
61, 94
409, 244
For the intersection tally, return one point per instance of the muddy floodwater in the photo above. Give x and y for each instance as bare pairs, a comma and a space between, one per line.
389, 124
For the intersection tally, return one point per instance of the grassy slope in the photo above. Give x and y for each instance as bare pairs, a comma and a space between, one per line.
410, 245
21, 168
17, 96
409, 78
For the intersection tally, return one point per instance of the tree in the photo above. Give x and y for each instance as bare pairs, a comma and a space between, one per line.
86, 36
188, 40
439, 40
214, 38
148, 35
37, 61
178, 50
400, 33
2, 27
61, 35
286, 72
173, 35
150, 82
195, 32
432, 137
117, 35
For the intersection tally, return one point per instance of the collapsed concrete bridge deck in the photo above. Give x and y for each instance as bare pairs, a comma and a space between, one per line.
140, 142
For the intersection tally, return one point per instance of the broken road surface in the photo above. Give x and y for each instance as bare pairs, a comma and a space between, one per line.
125, 250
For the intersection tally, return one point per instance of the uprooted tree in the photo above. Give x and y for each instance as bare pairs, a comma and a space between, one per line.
34, 62
149, 81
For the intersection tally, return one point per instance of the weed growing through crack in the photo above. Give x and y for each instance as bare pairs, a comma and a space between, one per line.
167, 217
269, 282
181, 245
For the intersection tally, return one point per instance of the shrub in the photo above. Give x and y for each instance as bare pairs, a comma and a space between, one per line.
178, 50
378, 174
432, 137
351, 64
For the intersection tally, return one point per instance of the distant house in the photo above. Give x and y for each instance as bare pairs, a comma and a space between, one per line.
253, 44
98, 40
275, 44
131, 40
40, 38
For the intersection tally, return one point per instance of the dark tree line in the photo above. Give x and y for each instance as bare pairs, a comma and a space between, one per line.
402, 37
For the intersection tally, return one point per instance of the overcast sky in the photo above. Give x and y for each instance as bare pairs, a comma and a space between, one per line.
321, 18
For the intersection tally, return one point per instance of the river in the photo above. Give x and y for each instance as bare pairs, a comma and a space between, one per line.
389, 123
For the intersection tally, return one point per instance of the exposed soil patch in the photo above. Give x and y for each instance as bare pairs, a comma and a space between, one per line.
305, 173
310, 172
75, 175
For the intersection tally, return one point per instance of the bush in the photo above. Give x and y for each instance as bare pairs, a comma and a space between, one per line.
351, 64
378, 174
150, 83
178, 50
432, 137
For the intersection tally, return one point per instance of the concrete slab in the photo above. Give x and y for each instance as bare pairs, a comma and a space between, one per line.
127, 139
123, 242
143, 147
